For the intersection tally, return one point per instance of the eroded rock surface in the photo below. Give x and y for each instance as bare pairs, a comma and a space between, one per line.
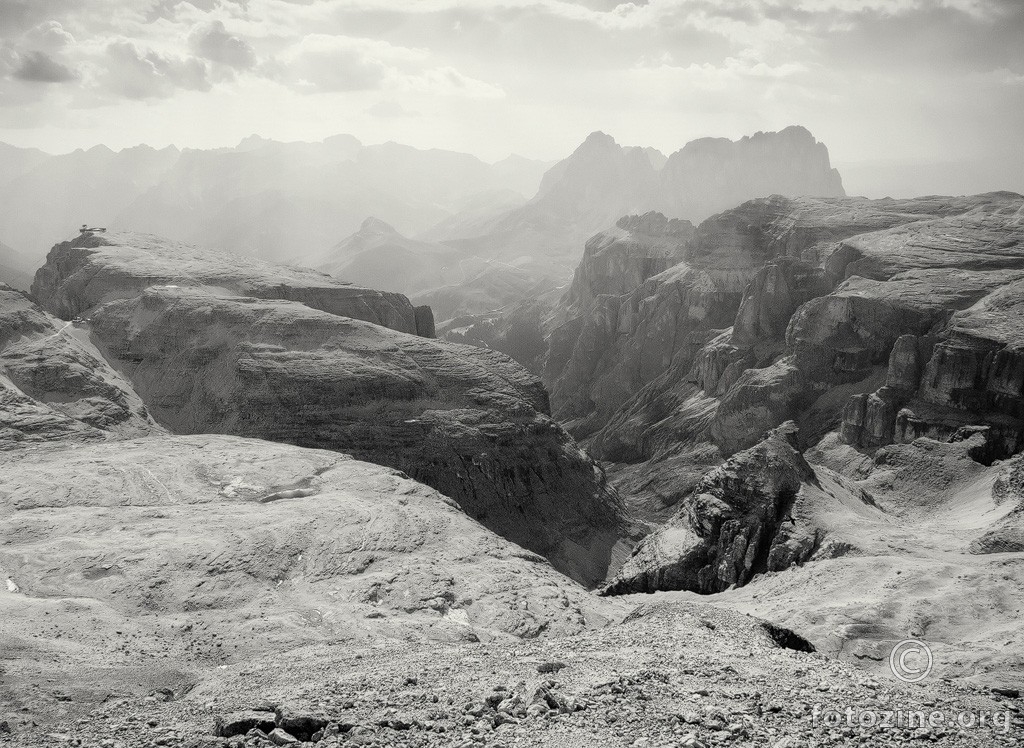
54, 383
752, 515
768, 319
750, 269
207, 358
98, 267
168, 559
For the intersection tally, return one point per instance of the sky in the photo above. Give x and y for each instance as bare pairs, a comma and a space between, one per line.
878, 81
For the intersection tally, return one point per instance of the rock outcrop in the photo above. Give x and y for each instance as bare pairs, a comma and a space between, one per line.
619, 259
752, 515
781, 278
935, 303
97, 267
626, 341
55, 384
766, 320
255, 542
230, 357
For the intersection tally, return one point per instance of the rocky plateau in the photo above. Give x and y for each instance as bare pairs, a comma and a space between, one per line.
297, 516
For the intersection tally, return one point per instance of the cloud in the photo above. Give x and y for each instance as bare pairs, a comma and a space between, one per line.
337, 64
48, 36
136, 74
321, 62
447, 81
39, 67
733, 71
214, 43
389, 109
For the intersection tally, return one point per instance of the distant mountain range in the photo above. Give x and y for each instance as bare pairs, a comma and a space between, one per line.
280, 201
15, 269
458, 233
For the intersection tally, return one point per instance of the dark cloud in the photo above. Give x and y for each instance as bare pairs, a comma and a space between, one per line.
137, 74
39, 67
214, 43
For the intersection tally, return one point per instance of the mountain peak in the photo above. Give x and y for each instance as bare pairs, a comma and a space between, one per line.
598, 140
376, 226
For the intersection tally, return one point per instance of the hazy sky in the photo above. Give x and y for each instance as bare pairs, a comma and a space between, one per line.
939, 80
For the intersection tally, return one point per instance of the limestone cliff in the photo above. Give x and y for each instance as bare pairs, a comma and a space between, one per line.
781, 278
216, 350
54, 383
98, 267
882, 321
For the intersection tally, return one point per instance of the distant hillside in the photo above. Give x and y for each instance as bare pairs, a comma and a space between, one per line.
380, 257
540, 242
15, 269
280, 201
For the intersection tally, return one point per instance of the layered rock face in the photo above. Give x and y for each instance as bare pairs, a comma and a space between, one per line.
766, 319
618, 260
98, 267
55, 384
768, 269
740, 520
935, 304
469, 422
623, 342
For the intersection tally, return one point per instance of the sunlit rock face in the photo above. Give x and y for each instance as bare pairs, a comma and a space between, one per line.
98, 267
766, 318
780, 301
215, 348
740, 521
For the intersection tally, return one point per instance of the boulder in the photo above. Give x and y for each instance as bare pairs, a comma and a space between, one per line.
758, 512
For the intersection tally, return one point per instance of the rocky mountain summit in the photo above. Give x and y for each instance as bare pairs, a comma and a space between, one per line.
275, 200
602, 181
380, 257
216, 344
